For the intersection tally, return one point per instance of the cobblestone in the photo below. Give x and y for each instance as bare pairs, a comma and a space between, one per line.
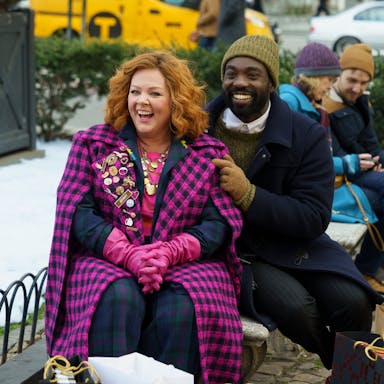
288, 363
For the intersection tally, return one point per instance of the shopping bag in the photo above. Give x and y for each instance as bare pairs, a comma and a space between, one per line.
358, 358
378, 326
136, 368
60, 370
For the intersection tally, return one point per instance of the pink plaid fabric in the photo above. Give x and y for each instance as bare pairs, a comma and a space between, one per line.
77, 278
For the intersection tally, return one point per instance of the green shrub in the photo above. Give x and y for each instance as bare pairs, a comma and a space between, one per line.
287, 60
377, 98
69, 72
205, 66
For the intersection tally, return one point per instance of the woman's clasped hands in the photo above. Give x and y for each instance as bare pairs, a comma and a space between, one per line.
149, 262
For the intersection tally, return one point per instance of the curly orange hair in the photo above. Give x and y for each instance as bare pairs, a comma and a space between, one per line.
188, 97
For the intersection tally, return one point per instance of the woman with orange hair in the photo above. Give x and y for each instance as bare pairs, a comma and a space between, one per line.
143, 256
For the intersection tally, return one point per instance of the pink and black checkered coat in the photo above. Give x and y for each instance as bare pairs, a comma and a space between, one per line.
77, 278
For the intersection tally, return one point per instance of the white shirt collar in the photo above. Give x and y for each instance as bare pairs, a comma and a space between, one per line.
232, 122
334, 95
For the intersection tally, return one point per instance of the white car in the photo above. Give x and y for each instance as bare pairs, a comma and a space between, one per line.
363, 23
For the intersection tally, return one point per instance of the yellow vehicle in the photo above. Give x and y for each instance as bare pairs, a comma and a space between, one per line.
151, 23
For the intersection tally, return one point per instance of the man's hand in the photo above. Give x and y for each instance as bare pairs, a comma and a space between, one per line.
369, 163
232, 177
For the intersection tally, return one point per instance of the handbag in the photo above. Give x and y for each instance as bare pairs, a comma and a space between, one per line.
347, 201
59, 370
358, 358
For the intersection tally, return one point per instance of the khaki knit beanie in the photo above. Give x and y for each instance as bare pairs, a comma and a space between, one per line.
358, 56
257, 47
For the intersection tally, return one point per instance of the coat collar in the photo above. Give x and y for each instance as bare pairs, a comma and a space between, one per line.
304, 103
178, 149
278, 129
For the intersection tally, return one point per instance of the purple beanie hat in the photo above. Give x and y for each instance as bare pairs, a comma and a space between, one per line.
316, 59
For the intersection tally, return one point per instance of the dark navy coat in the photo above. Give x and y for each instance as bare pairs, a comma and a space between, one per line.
293, 173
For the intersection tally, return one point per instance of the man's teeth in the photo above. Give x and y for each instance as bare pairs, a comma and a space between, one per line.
240, 96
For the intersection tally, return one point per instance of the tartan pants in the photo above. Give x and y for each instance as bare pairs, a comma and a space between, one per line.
160, 325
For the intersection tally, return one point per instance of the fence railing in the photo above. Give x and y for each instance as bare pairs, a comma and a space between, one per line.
31, 288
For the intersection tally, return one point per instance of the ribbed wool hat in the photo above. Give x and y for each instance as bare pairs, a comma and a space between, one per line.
316, 59
257, 47
358, 56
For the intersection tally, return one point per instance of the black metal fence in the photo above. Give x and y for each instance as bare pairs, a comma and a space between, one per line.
31, 288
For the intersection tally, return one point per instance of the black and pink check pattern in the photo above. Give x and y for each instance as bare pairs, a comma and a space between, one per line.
77, 279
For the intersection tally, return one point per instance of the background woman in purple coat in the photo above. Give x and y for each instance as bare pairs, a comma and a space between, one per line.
143, 252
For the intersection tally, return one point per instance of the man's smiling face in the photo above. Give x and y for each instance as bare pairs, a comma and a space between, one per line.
247, 87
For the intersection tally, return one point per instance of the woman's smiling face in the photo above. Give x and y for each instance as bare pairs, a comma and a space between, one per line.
325, 85
149, 103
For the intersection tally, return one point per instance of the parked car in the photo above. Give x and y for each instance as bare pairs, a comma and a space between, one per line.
363, 23
153, 23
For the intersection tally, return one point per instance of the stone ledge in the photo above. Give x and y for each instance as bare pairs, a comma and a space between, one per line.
17, 157
22, 368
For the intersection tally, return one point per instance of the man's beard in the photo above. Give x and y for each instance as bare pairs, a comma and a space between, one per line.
250, 111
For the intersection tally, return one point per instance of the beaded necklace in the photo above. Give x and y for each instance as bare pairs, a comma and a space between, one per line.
150, 168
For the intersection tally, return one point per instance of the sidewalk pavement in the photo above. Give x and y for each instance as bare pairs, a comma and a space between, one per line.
287, 362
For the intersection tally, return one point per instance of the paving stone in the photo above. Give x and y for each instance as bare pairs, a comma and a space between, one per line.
269, 369
307, 378
308, 366
299, 382
262, 379
290, 364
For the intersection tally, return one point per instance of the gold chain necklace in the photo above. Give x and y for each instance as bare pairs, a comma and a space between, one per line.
151, 167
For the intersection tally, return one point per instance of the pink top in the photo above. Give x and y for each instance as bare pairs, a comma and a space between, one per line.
149, 201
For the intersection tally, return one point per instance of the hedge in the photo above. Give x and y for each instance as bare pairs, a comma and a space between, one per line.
69, 72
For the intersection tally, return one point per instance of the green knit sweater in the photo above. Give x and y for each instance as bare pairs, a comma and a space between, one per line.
242, 147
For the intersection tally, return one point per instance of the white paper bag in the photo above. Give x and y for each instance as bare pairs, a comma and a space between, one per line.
136, 368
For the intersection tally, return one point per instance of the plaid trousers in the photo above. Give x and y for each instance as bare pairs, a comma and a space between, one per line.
160, 325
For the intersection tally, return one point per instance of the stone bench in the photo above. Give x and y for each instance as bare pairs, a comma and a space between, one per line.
349, 236
254, 346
